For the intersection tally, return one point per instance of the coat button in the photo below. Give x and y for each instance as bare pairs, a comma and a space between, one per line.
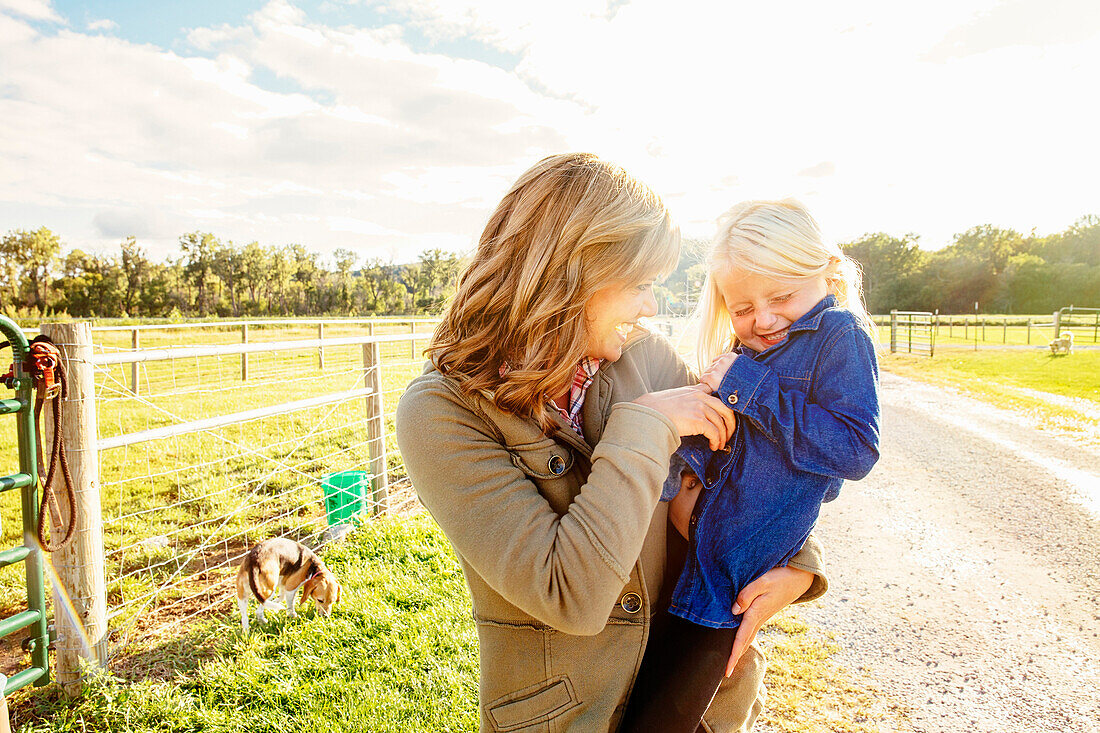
732, 399
556, 464
631, 603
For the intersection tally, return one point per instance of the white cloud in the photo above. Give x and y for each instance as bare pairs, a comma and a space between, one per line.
928, 118
1021, 23
103, 24
31, 9
113, 125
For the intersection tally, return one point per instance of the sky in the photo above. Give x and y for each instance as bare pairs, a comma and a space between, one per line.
393, 127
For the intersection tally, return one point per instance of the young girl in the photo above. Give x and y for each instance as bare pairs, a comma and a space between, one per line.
802, 377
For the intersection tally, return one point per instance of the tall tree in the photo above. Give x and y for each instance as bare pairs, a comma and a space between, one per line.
228, 265
199, 249
135, 271
345, 259
889, 265
33, 255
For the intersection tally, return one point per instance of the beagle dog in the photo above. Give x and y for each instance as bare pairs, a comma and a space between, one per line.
285, 564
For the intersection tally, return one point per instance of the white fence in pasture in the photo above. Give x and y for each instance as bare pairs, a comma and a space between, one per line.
199, 440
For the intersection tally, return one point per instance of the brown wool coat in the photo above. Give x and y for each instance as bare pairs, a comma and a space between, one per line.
562, 542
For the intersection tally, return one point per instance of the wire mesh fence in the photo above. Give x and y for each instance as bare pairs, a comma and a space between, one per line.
180, 511
202, 456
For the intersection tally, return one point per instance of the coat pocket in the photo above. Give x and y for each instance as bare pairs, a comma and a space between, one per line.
532, 705
545, 459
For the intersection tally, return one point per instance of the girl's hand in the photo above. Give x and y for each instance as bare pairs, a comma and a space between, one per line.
694, 412
681, 506
716, 372
760, 600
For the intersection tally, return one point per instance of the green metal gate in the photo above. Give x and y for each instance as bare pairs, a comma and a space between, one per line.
22, 406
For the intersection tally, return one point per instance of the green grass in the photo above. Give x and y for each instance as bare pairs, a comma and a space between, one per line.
994, 330
1005, 377
808, 692
180, 508
398, 654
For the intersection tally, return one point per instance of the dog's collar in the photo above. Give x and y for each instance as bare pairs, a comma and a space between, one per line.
316, 572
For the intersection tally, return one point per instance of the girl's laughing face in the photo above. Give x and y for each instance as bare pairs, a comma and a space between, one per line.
763, 308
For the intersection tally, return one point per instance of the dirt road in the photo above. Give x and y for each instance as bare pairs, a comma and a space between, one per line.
966, 568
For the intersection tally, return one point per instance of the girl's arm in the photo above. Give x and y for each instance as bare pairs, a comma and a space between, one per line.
834, 429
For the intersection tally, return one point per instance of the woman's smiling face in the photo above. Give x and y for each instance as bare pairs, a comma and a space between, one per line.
612, 312
763, 308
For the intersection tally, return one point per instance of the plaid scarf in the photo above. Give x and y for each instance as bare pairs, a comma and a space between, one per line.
582, 380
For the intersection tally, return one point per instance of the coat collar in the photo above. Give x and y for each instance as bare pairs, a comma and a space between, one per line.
598, 398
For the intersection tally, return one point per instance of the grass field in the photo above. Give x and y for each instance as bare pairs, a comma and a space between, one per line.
401, 653
995, 330
398, 654
178, 511
1058, 391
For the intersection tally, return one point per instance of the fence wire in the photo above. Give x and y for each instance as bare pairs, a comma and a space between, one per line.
180, 512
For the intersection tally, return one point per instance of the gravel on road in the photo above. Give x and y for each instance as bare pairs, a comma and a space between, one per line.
965, 569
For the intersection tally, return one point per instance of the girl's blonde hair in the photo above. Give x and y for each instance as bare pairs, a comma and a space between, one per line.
776, 239
571, 225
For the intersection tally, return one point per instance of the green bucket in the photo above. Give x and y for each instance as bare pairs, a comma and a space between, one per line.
346, 495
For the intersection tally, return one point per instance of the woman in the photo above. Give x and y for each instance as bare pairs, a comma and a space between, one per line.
539, 437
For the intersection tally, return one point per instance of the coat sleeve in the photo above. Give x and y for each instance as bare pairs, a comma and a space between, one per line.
833, 431
567, 570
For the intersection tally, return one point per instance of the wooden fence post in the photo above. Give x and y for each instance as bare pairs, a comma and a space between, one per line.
135, 371
80, 591
244, 357
320, 349
894, 331
1057, 323
412, 342
376, 427
1004, 334
1029, 332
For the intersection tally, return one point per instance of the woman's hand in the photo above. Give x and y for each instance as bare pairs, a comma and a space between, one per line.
694, 412
681, 506
716, 372
760, 600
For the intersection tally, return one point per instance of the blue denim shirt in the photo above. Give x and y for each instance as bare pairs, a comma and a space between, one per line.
808, 418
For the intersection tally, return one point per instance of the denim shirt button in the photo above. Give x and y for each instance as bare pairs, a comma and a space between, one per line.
732, 399
631, 603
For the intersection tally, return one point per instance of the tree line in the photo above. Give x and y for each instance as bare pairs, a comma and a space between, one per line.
210, 277
1002, 270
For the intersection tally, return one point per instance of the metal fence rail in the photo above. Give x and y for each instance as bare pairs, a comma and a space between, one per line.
913, 332
196, 459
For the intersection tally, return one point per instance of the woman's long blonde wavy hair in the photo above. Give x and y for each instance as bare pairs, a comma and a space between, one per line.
571, 225
776, 239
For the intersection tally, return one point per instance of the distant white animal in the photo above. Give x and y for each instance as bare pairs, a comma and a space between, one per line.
1063, 344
